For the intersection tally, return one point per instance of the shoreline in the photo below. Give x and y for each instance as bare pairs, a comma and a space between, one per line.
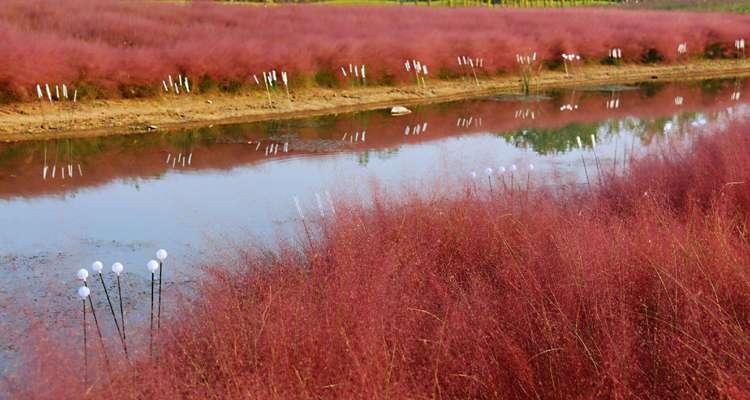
38, 121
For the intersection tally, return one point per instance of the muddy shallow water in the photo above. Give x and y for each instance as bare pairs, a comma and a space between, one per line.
66, 203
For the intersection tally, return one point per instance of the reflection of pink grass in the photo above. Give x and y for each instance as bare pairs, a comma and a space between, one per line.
109, 44
638, 289
131, 158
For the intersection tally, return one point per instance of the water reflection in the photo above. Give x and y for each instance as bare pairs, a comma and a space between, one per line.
546, 124
64, 157
117, 195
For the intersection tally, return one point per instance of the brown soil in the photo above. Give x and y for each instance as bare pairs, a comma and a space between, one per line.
29, 121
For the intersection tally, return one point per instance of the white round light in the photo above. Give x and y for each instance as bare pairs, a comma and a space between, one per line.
97, 266
501, 170
473, 174
161, 255
117, 268
488, 171
152, 266
83, 292
513, 167
531, 167
82, 274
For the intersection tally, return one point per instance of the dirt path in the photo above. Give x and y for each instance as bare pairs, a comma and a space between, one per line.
29, 121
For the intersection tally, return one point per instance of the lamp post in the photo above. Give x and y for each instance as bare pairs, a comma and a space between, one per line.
83, 293
161, 254
97, 266
152, 267
83, 274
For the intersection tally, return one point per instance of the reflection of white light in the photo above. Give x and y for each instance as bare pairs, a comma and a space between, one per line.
569, 107
522, 114
668, 127
161, 254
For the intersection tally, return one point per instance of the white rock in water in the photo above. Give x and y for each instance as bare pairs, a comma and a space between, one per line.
400, 110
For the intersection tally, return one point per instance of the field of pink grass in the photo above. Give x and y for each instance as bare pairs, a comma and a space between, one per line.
635, 288
111, 48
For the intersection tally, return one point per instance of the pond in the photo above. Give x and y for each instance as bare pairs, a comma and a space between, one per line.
65, 203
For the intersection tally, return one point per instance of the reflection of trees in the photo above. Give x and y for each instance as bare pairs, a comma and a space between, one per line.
363, 158
651, 89
9, 155
561, 140
712, 87
551, 141
325, 127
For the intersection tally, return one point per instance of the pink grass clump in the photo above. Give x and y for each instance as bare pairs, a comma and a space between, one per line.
120, 47
639, 288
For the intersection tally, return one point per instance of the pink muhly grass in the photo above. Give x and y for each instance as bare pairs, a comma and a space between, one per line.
121, 46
